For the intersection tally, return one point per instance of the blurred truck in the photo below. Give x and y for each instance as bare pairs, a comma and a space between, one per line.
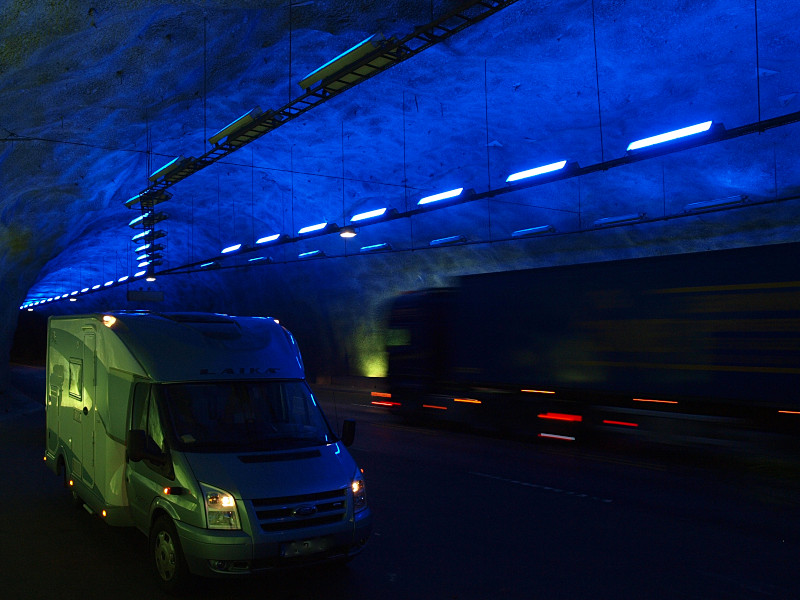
697, 346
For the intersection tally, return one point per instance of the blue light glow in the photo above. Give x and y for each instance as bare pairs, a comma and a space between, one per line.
143, 247
269, 238
533, 231
310, 228
556, 166
208, 264
230, 249
139, 236
310, 254
376, 247
670, 135
442, 196
379, 212
453, 239
138, 219
257, 258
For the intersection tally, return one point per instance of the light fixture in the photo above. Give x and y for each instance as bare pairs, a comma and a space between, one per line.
670, 136
142, 235
236, 125
270, 238
230, 249
257, 258
311, 254
714, 204
148, 198
96, 287
326, 227
556, 166
169, 168
135, 222
446, 241
123, 278
371, 214
620, 220
140, 274
108, 283
150, 278
209, 264
442, 196
347, 232
376, 247
531, 231
350, 58
83, 291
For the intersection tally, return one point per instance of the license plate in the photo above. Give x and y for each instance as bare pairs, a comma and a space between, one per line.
305, 547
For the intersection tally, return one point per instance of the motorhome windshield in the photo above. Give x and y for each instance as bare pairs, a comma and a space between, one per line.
243, 416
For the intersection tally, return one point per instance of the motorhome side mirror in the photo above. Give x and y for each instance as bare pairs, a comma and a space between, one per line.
348, 432
137, 445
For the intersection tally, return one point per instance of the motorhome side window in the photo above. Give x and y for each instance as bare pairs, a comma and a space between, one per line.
145, 414
75, 369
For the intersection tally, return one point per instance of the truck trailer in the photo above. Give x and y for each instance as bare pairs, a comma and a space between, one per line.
696, 346
201, 431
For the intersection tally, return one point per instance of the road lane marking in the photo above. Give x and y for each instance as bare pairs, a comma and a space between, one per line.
545, 488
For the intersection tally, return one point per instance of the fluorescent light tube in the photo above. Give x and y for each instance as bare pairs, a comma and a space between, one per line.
670, 135
533, 231
631, 218
140, 274
310, 254
139, 219
311, 228
717, 203
168, 168
556, 166
123, 278
443, 196
346, 58
368, 215
230, 249
269, 238
376, 247
234, 126
453, 239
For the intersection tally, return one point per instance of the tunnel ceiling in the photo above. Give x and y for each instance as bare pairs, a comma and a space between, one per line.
96, 97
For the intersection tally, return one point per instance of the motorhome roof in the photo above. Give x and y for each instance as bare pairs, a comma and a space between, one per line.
196, 346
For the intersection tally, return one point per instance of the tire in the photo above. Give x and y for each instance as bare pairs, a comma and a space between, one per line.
166, 555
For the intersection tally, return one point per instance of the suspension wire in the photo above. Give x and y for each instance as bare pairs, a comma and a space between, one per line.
597, 84
758, 64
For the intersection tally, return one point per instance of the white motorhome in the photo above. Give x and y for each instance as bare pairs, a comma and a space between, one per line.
201, 431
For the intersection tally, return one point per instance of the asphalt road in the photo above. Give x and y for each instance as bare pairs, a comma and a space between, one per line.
457, 516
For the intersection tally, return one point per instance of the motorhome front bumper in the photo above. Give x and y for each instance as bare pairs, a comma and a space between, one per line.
222, 553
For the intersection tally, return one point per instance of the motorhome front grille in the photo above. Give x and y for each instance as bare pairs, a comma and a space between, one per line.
296, 512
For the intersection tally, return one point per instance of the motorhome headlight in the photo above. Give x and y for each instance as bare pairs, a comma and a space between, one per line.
221, 510
359, 495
